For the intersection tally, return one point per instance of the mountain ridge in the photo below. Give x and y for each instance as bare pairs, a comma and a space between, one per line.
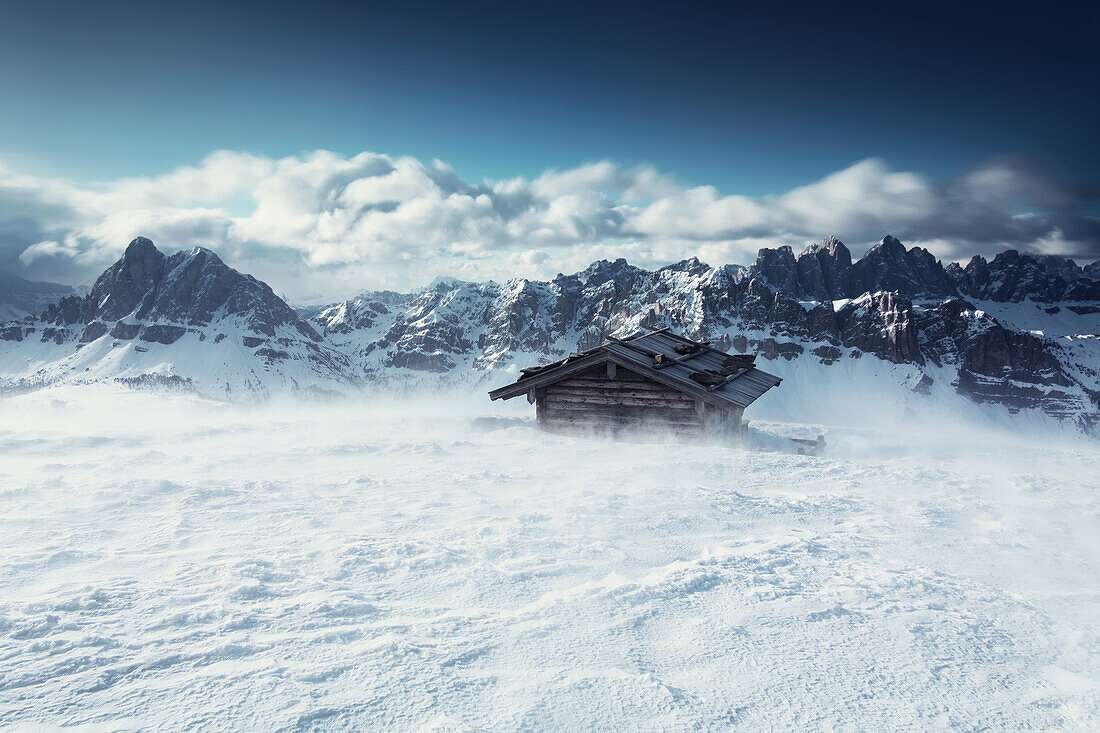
20, 297
148, 299
966, 331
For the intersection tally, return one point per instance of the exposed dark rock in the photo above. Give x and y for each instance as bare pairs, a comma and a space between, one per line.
67, 311
93, 330
996, 364
1012, 277
827, 354
924, 386
1084, 310
881, 324
1059, 266
822, 323
422, 362
769, 348
825, 270
779, 270
127, 284
162, 334
272, 354
57, 335
1082, 289
603, 271
125, 331
913, 273
190, 287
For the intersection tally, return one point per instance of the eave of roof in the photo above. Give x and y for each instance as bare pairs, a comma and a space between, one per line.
740, 392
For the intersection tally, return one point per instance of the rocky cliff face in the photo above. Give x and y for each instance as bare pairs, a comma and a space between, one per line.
1019, 331
191, 288
1012, 278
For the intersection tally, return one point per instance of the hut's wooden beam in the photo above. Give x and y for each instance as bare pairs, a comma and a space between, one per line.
727, 380
556, 398
604, 384
655, 419
667, 361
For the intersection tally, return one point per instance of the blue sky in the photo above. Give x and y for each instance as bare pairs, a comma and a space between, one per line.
751, 99
754, 98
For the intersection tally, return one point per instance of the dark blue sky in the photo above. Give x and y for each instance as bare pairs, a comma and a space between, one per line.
751, 98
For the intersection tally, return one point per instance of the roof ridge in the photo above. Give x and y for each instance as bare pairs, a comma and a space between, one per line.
740, 386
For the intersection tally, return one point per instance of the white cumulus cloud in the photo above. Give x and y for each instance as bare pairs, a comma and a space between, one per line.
321, 222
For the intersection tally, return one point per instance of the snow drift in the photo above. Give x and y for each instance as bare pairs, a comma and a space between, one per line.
175, 563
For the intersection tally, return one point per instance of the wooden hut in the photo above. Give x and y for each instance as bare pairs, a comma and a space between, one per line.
653, 381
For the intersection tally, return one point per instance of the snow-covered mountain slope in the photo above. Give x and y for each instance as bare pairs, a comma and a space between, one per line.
1019, 333
818, 318
185, 321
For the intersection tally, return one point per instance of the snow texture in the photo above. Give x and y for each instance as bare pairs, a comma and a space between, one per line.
175, 564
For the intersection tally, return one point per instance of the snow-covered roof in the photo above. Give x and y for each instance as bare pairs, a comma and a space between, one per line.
691, 367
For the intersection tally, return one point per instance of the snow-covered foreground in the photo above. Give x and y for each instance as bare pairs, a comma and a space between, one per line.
172, 564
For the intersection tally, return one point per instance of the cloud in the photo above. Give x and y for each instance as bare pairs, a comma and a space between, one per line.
322, 223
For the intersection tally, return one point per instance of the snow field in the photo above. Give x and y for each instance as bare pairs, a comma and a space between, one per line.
167, 563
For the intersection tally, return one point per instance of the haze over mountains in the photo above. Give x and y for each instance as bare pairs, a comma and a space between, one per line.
20, 297
1018, 332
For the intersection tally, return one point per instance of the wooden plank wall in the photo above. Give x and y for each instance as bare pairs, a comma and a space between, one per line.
596, 400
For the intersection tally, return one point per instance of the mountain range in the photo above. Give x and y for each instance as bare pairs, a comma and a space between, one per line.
20, 298
1018, 332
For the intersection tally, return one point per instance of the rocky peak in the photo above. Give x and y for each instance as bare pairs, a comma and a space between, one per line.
977, 272
602, 271
198, 286
779, 269
825, 270
188, 288
691, 266
360, 312
891, 246
930, 272
1059, 266
141, 250
912, 273
1011, 277
120, 289
833, 246
1006, 259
